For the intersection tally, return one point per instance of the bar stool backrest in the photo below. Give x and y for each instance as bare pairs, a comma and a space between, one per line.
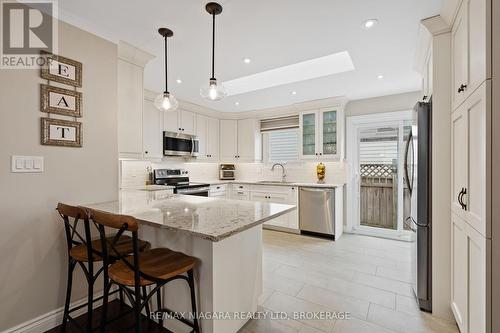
71, 216
123, 223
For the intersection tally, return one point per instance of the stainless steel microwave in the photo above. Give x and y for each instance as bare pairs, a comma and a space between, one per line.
179, 144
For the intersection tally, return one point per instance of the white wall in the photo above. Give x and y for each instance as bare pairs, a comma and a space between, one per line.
33, 252
389, 103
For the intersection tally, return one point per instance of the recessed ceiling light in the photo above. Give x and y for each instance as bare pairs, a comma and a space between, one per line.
310, 69
380, 77
368, 24
178, 81
294, 92
247, 60
236, 103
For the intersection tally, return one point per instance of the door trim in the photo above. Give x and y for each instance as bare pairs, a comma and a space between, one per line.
352, 195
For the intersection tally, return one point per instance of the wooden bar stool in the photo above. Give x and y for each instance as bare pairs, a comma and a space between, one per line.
155, 268
84, 251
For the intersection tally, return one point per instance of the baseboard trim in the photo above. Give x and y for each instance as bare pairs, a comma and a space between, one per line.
53, 318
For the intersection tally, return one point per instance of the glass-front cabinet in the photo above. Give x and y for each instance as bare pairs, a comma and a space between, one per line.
320, 134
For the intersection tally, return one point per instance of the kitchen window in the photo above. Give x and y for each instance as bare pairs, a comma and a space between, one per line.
281, 145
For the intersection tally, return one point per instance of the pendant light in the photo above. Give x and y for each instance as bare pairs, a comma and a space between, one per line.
213, 91
166, 101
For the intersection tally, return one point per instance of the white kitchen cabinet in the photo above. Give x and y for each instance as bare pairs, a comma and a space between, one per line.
207, 131
470, 286
321, 134
240, 140
240, 195
181, 121
280, 221
470, 49
228, 140
470, 133
171, 121
278, 194
152, 132
427, 76
219, 191
130, 100
249, 140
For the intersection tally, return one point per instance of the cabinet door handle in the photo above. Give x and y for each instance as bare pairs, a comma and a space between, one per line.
146, 152
180, 129
462, 88
424, 98
321, 153
459, 198
464, 205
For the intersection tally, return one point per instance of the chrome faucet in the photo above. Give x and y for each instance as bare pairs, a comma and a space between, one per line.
283, 175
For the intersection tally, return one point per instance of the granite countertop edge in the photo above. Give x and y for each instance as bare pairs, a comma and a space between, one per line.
217, 238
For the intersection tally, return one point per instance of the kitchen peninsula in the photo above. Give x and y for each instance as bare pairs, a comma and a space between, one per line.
225, 235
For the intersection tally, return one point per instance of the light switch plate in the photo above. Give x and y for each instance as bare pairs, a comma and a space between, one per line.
27, 163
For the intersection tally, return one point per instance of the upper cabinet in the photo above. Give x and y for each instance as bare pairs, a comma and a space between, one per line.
470, 49
240, 140
152, 133
180, 121
320, 134
427, 77
131, 62
207, 131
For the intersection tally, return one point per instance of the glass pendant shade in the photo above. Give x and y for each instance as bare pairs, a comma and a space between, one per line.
166, 102
213, 91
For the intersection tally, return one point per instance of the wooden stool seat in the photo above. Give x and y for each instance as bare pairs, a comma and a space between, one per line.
124, 245
160, 263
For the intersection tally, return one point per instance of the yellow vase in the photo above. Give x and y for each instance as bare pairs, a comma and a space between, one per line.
320, 172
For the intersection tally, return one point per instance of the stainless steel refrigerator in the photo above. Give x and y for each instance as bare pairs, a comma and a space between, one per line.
418, 180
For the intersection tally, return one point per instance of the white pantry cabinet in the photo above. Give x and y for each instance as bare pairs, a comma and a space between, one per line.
130, 76
240, 140
470, 285
470, 48
207, 131
470, 141
152, 132
321, 134
181, 121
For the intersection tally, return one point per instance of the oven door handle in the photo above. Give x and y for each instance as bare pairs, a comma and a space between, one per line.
197, 190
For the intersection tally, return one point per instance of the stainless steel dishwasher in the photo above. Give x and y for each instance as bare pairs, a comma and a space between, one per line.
317, 211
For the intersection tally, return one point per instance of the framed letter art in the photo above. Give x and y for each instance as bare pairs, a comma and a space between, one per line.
60, 101
57, 132
62, 70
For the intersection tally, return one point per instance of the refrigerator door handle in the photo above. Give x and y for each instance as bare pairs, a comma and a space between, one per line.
407, 148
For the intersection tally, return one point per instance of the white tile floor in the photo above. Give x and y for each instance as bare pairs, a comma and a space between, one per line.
365, 276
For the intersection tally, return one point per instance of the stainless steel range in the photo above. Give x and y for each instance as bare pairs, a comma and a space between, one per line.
180, 180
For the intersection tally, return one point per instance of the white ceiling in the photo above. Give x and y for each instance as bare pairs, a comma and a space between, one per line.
272, 33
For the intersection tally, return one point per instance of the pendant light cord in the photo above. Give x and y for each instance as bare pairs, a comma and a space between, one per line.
213, 47
166, 66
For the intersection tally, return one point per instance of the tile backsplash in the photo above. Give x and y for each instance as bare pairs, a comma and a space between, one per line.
134, 174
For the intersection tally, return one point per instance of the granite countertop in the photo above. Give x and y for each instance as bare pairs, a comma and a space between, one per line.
208, 218
155, 188
277, 183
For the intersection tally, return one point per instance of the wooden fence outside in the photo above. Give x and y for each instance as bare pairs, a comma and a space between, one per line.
378, 196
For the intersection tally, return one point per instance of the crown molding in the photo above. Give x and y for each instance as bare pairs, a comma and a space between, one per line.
134, 55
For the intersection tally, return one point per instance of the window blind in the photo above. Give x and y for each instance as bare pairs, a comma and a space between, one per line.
279, 123
283, 145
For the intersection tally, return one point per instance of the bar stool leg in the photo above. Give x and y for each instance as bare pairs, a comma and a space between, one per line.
69, 285
158, 302
137, 307
196, 328
105, 297
145, 294
90, 305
